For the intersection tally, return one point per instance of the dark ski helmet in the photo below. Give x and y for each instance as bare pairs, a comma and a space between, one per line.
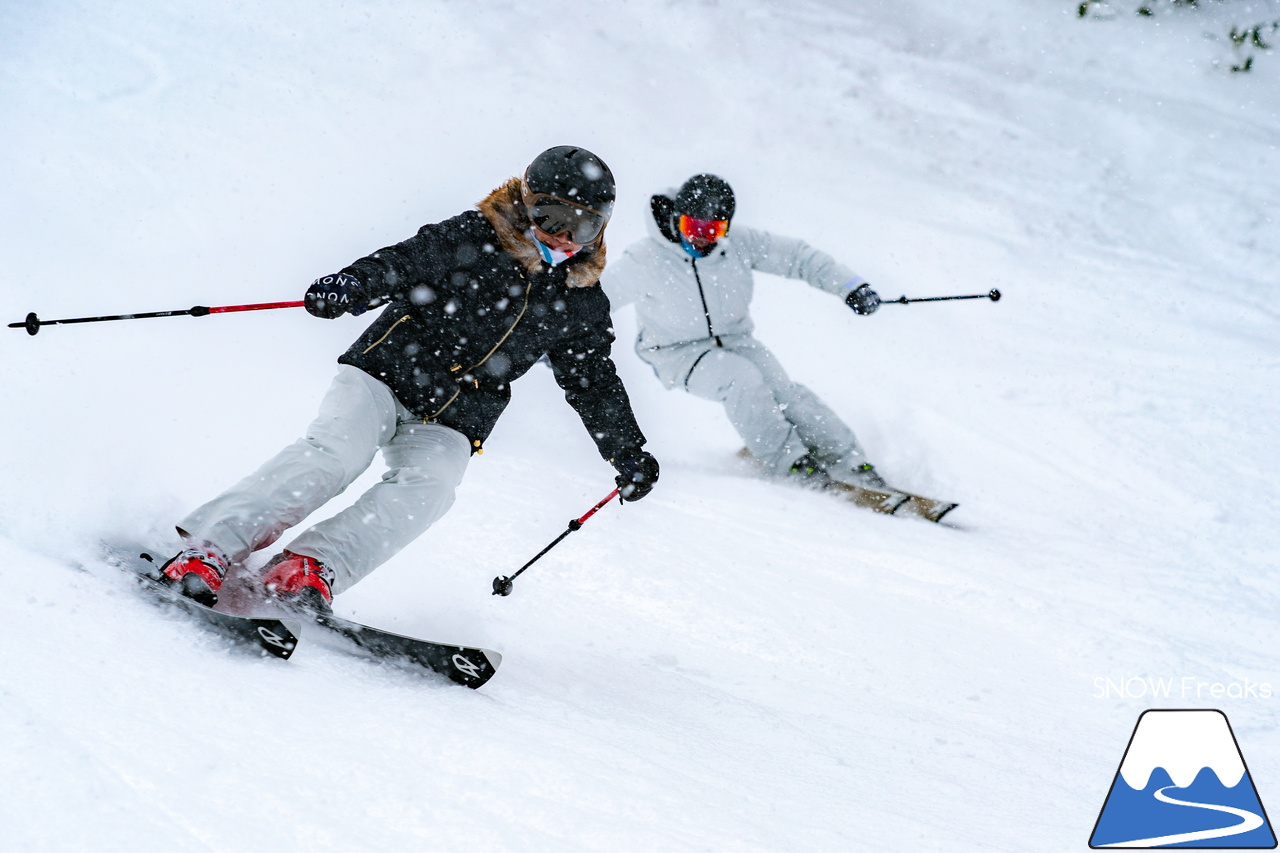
574, 175
705, 197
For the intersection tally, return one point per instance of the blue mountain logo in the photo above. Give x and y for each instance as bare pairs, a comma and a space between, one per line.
1183, 783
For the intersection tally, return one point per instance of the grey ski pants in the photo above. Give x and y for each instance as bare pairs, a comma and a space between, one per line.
358, 416
779, 420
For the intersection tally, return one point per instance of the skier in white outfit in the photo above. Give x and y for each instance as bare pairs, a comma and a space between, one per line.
691, 282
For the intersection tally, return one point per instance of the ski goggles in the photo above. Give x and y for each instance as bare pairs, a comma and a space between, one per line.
555, 215
702, 230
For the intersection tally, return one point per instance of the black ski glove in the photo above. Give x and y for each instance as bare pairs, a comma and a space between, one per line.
334, 295
863, 300
636, 475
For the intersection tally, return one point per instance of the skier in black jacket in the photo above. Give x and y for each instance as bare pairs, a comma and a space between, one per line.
471, 304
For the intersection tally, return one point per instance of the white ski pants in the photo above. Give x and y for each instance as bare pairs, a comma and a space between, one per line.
358, 416
779, 420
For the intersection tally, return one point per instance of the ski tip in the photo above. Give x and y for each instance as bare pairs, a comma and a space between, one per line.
277, 638
928, 509
938, 516
465, 670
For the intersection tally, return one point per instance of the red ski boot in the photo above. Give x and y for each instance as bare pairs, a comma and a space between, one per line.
300, 581
197, 572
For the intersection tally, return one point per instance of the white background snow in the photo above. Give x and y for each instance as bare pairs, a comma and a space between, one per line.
729, 664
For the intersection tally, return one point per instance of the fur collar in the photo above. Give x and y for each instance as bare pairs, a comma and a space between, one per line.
505, 211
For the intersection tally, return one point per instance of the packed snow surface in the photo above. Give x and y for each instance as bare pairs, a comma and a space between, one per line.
730, 664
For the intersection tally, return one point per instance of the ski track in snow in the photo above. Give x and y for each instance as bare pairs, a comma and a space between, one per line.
729, 664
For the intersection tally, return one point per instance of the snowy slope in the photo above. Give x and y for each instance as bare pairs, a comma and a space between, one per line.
729, 664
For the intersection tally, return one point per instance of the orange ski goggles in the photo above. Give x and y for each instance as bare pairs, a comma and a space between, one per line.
702, 230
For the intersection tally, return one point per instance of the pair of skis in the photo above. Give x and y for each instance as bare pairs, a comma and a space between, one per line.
889, 500
278, 636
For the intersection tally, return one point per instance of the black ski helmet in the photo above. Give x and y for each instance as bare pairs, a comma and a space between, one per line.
573, 174
705, 197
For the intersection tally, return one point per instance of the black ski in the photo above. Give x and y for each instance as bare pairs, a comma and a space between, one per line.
279, 635
469, 666
267, 635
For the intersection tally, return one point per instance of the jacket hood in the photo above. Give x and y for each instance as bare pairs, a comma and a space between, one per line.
658, 223
505, 211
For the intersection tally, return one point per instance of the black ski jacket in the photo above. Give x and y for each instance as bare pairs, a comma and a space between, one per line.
471, 310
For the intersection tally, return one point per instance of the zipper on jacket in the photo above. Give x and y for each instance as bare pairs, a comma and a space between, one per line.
467, 372
706, 312
387, 334
528, 290
429, 418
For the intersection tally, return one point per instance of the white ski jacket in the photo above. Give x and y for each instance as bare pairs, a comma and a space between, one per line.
680, 300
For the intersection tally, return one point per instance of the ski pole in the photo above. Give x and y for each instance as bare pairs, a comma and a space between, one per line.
994, 296
502, 586
33, 323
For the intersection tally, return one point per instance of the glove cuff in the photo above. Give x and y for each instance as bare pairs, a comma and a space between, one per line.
851, 285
